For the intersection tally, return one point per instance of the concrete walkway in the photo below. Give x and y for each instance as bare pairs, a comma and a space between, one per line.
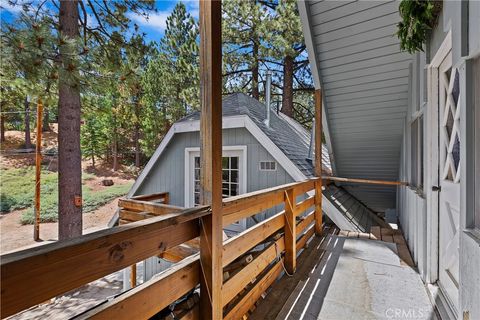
348, 278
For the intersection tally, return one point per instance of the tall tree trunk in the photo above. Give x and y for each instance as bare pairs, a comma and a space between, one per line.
46, 120
2, 128
255, 92
28, 139
137, 144
137, 132
287, 98
115, 144
93, 158
69, 156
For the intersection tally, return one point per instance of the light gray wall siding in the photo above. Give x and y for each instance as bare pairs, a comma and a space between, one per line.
364, 79
413, 208
169, 172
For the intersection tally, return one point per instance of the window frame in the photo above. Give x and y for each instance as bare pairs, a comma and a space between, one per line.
476, 143
227, 151
417, 150
265, 162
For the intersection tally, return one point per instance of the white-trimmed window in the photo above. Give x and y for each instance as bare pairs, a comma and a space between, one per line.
417, 169
234, 177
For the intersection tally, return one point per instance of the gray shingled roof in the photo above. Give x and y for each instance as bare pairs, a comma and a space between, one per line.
287, 134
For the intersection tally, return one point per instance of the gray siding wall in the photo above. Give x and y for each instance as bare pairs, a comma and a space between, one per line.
365, 82
169, 172
463, 19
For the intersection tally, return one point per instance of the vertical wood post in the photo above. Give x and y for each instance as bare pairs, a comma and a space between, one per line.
318, 162
133, 275
290, 232
211, 159
38, 168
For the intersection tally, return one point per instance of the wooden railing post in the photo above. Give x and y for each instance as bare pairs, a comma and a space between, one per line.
318, 162
290, 232
211, 277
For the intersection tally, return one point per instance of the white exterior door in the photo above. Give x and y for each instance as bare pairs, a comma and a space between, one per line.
234, 176
449, 178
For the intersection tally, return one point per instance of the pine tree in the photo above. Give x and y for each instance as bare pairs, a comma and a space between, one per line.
176, 91
287, 44
69, 54
242, 32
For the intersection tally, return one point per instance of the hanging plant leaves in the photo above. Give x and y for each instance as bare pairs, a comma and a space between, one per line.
418, 19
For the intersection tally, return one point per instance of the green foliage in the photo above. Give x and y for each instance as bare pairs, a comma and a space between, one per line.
418, 19
176, 91
129, 85
94, 137
17, 192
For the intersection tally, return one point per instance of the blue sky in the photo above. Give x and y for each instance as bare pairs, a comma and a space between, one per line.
154, 26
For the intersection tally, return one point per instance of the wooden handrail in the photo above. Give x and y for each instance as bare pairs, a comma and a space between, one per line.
248, 204
154, 196
147, 206
34, 275
366, 181
144, 301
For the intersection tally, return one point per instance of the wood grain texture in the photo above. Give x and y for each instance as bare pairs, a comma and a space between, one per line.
149, 298
62, 266
146, 206
211, 234
305, 222
241, 243
249, 299
240, 280
290, 233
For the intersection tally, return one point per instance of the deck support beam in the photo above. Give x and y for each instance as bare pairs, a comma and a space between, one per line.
318, 161
211, 158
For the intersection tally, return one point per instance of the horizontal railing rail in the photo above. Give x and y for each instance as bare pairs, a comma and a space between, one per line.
366, 181
32, 276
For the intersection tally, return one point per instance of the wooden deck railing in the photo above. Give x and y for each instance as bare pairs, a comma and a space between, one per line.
35, 275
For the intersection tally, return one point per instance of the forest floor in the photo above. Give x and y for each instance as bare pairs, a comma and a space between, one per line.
17, 184
17, 190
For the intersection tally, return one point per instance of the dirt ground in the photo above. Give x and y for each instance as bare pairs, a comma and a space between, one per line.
14, 156
15, 236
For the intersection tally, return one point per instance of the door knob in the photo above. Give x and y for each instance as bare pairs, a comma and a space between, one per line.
436, 188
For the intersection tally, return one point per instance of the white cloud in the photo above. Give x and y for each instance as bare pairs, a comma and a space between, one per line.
154, 19
159, 19
193, 8
8, 6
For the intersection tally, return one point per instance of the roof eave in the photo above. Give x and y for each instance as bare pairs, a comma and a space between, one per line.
306, 25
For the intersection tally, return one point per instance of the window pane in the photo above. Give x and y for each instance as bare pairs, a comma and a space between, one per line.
234, 162
225, 163
197, 198
197, 162
225, 176
197, 174
234, 190
414, 154
234, 176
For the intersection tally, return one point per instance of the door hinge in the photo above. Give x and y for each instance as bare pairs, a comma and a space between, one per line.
436, 188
